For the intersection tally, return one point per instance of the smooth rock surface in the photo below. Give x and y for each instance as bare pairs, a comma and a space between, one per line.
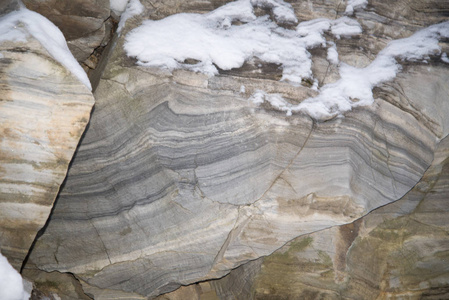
44, 110
180, 178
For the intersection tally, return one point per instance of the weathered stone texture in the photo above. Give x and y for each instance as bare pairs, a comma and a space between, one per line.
83, 22
399, 250
43, 112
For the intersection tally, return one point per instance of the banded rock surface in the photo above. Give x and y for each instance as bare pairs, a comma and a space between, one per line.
179, 178
44, 110
398, 251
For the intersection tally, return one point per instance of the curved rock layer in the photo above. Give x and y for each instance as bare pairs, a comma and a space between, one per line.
395, 252
179, 178
44, 110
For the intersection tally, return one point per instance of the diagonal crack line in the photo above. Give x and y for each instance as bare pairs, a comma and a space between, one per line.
102, 242
290, 162
236, 229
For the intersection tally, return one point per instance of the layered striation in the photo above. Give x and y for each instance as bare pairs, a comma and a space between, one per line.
44, 110
180, 178
406, 243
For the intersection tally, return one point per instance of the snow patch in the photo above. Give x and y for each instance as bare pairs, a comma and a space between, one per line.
275, 100
345, 26
444, 58
208, 42
355, 4
133, 8
282, 11
118, 6
17, 25
11, 283
213, 41
355, 85
314, 29
332, 55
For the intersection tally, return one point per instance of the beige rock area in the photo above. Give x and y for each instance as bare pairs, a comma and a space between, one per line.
44, 110
181, 179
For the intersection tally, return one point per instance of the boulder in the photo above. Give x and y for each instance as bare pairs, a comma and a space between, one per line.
44, 109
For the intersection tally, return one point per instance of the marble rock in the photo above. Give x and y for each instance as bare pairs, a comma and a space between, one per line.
44, 110
84, 23
397, 251
180, 178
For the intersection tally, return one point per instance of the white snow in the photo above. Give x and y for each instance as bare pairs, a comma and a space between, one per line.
345, 26
314, 29
11, 283
118, 6
17, 25
133, 8
332, 55
444, 58
283, 12
355, 86
355, 4
275, 100
215, 40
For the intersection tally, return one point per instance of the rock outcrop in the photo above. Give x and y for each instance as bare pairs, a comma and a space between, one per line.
44, 110
397, 251
180, 178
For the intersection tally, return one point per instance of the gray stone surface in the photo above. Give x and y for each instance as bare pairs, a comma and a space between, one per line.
397, 251
180, 179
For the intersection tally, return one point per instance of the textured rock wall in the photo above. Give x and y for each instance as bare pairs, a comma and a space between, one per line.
180, 179
85, 24
395, 252
44, 110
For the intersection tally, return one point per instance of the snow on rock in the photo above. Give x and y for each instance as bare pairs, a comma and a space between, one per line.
332, 55
283, 12
118, 6
17, 25
314, 29
275, 100
133, 8
345, 26
11, 283
356, 84
212, 40
444, 58
355, 4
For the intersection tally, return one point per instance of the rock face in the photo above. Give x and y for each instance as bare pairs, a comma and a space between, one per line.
399, 250
43, 112
84, 23
180, 178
